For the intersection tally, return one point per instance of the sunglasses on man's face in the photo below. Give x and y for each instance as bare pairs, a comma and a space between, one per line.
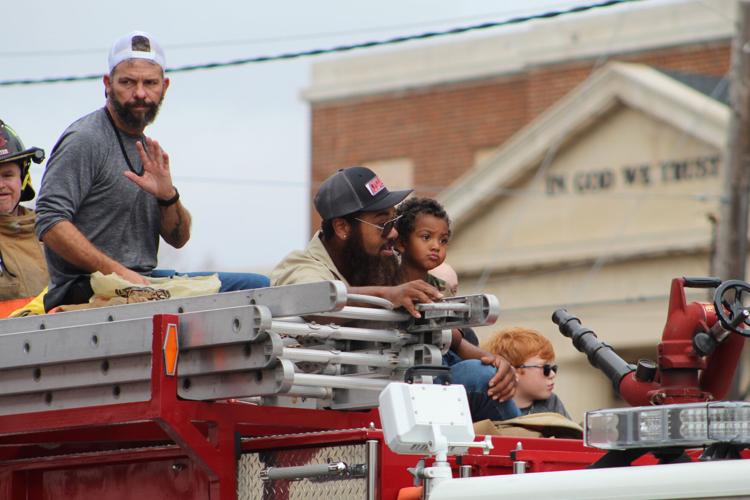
386, 228
546, 368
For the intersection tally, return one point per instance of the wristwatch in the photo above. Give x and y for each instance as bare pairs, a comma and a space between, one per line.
168, 203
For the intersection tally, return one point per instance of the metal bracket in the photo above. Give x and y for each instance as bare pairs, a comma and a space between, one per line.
332, 471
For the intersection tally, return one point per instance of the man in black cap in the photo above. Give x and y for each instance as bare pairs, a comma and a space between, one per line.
355, 245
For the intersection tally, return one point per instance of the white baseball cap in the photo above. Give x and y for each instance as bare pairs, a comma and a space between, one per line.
136, 45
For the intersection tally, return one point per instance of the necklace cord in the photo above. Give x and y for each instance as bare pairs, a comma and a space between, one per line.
122, 146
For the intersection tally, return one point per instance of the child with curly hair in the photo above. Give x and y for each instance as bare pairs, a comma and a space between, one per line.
423, 234
533, 357
424, 231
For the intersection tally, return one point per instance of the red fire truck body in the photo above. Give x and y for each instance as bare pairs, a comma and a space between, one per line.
206, 404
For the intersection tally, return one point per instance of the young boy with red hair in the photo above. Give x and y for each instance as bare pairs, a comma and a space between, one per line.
533, 357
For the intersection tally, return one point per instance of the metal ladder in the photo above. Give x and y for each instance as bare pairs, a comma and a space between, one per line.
298, 345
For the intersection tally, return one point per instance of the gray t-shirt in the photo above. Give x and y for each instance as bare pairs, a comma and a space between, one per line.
552, 404
84, 184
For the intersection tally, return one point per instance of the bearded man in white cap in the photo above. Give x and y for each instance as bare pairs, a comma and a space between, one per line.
107, 192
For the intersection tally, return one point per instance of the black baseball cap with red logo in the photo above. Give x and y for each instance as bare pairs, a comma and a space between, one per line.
355, 189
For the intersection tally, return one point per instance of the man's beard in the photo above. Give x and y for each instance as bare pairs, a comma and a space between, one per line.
125, 112
367, 270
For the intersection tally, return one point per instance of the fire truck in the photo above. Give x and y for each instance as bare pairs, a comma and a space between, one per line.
307, 391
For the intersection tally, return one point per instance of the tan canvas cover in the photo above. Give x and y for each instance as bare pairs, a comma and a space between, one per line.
112, 285
534, 425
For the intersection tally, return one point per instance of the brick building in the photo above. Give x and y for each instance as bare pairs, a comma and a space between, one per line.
426, 115
580, 159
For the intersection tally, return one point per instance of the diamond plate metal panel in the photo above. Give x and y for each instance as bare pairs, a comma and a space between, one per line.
250, 486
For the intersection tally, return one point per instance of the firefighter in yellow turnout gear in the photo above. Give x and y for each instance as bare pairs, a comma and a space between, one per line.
23, 270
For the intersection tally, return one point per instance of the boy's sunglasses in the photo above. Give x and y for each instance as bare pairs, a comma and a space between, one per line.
385, 229
546, 368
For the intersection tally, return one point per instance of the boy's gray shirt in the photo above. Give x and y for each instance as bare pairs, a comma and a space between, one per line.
84, 184
552, 404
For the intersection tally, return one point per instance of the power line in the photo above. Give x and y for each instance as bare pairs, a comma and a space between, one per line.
258, 40
343, 48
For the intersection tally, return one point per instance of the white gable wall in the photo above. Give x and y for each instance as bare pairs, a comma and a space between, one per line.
609, 254
526, 226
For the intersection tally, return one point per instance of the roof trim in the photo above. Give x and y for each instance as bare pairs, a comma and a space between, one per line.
573, 256
617, 30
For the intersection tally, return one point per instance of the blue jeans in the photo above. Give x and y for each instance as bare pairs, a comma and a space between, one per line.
475, 377
230, 282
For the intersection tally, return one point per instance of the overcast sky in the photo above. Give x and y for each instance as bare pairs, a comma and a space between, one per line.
238, 137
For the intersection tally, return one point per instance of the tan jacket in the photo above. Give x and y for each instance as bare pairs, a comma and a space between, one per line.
23, 270
306, 266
